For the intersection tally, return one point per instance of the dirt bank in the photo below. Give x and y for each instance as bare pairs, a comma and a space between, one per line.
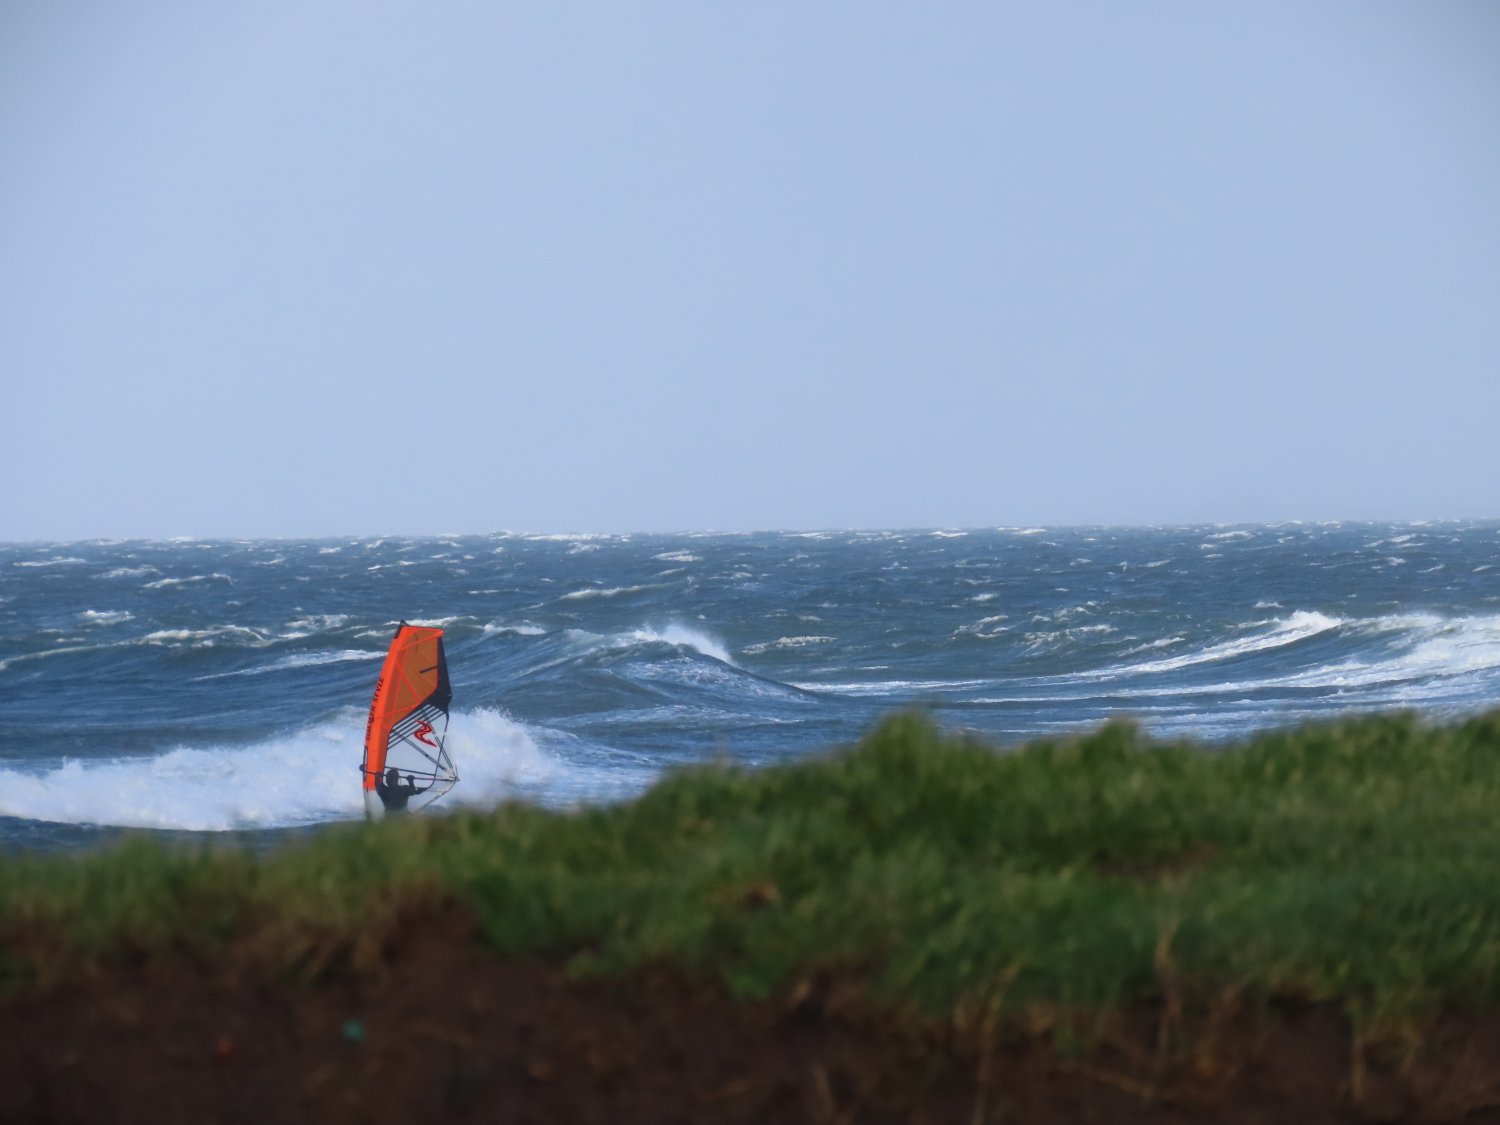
436, 1029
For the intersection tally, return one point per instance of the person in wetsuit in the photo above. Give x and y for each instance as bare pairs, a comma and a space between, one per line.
394, 793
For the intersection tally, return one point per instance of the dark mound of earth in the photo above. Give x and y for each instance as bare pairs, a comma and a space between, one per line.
437, 1029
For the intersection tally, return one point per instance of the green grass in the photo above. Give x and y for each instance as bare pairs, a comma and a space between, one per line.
1356, 863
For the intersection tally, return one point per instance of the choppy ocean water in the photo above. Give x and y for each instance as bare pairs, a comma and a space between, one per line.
222, 686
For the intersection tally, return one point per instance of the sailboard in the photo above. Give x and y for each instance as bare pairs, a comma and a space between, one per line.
408, 726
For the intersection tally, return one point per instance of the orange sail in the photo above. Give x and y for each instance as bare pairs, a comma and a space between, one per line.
408, 726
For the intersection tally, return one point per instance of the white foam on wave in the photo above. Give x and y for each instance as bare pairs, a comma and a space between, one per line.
1284, 631
988, 628
891, 687
106, 616
304, 777
1050, 638
165, 583
524, 629
1067, 613
129, 572
684, 636
299, 660
12, 661
602, 592
69, 561
1428, 647
673, 633
787, 642
1423, 658
320, 622
1159, 642
204, 638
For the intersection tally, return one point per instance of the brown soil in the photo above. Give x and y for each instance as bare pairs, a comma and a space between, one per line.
432, 1028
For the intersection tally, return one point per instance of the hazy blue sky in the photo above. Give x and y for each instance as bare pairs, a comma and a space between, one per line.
274, 268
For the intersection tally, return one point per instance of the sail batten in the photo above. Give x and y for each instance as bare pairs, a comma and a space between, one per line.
408, 725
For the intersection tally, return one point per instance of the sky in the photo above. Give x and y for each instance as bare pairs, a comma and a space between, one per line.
311, 269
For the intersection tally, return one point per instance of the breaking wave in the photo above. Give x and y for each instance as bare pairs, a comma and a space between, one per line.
303, 777
1288, 631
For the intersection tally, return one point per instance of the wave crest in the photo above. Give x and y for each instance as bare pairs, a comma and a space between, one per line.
303, 777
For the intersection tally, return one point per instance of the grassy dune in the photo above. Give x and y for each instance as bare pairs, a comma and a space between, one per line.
1356, 863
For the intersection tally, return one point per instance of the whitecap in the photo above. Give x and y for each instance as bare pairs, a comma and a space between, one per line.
106, 616
684, 636
986, 627
301, 777
129, 572
787, 642
1044, 639
674, 634
163, 583
204, 638
602, 592
12, 661
1160, 642
892, 687
319, 622
525, 629
300, 660
1301, 625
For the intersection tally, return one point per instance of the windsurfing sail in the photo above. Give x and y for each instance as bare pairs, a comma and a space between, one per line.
408, 725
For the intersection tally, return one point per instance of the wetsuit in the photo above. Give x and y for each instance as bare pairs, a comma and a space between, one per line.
394, 797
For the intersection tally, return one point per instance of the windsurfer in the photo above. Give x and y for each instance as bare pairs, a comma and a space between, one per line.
394, 793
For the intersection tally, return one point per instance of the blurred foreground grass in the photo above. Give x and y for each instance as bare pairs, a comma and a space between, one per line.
1357, 863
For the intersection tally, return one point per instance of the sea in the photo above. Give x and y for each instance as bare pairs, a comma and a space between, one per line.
218, 690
